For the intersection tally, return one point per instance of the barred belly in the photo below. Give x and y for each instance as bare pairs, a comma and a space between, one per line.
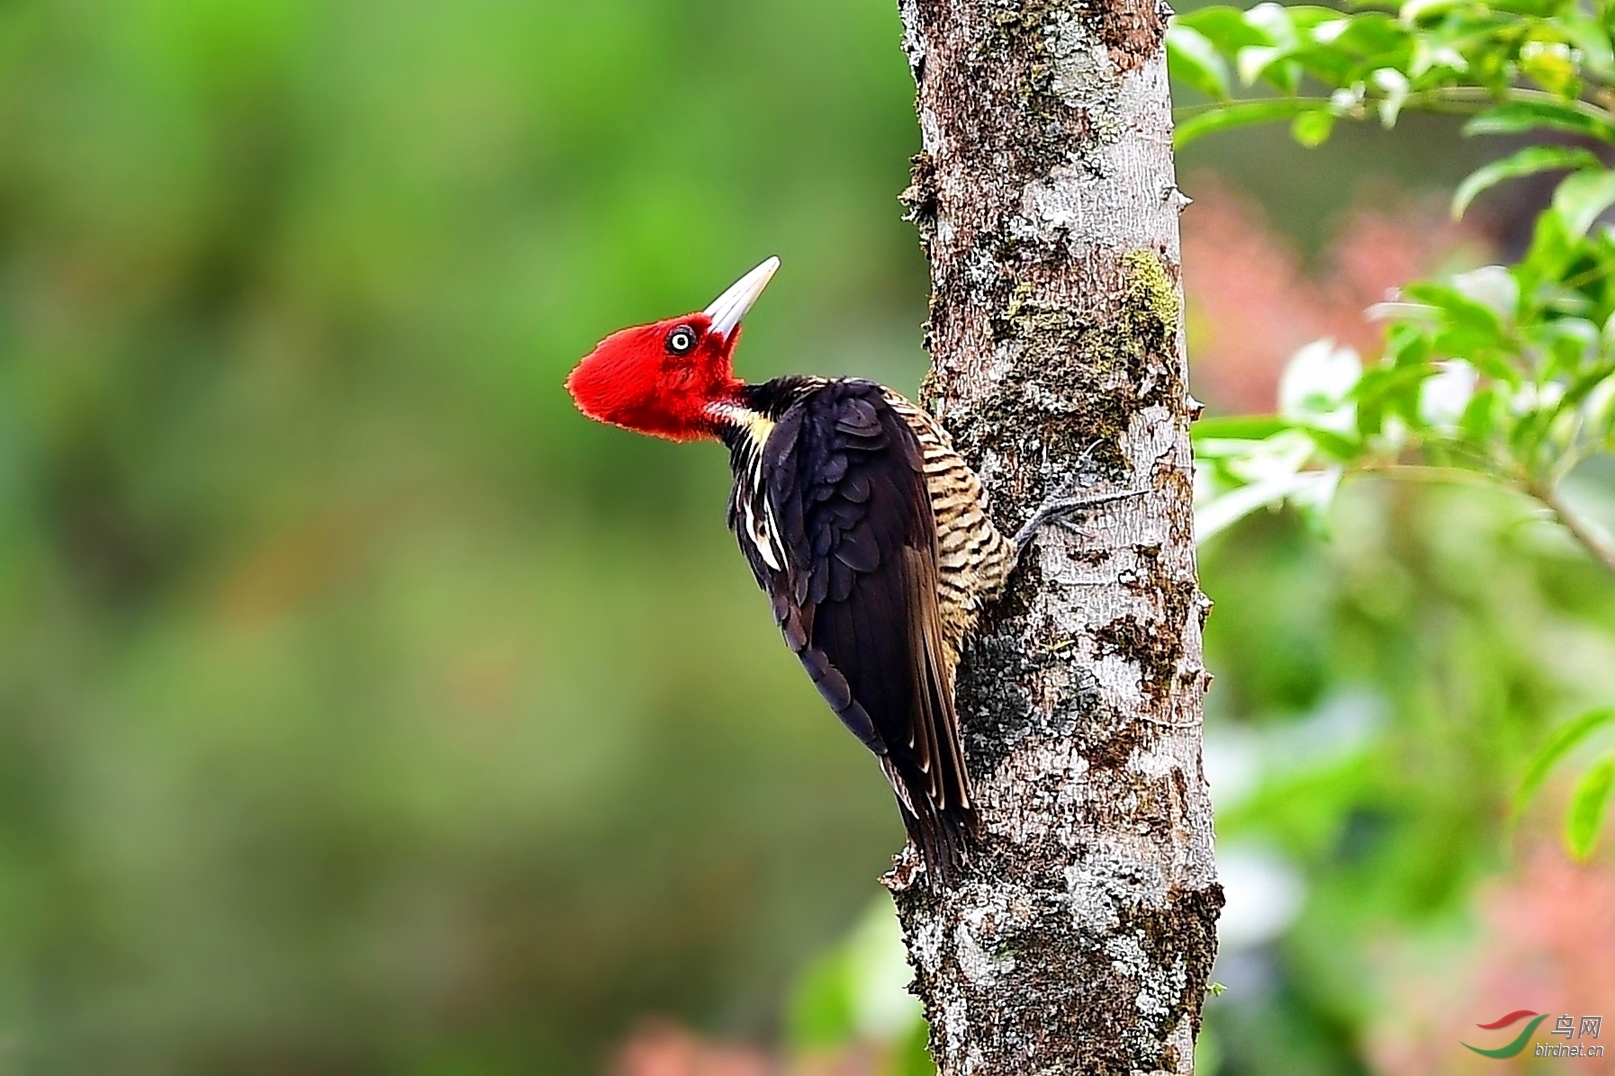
975, 559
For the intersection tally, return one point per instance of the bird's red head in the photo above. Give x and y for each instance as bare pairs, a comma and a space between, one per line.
671, 378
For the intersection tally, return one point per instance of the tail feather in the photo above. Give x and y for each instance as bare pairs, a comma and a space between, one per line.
945, 836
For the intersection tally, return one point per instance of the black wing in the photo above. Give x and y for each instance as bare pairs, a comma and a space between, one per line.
855, 594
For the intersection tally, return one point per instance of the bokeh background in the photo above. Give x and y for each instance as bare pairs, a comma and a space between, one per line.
363, 709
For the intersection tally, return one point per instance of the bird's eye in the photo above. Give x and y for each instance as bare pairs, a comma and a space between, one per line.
681, 341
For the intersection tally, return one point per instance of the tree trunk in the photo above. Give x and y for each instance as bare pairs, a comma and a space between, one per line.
1082, 939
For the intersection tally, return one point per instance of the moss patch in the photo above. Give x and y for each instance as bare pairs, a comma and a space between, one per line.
1149, 299
1077, 382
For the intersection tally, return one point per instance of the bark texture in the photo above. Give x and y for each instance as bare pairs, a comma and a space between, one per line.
1082, 940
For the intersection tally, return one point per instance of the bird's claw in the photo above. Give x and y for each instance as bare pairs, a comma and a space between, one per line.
1060, 507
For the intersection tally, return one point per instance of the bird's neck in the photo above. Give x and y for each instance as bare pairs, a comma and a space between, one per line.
737, 421
749, 415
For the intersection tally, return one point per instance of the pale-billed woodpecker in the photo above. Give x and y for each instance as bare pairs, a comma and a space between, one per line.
858, 518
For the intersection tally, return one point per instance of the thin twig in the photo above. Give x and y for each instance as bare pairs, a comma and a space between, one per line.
1587, 532
1480, 95
1409, 472
1459, 100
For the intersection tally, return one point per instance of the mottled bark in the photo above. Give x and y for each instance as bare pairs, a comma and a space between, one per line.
1083, 938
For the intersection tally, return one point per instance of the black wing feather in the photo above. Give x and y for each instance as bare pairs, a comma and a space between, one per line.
857, 596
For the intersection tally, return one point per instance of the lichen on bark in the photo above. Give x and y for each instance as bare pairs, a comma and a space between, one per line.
1082, 939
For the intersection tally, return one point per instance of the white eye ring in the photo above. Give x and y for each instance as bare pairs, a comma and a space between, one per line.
681, 341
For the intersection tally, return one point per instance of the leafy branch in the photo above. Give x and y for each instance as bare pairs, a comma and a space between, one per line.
1504, 375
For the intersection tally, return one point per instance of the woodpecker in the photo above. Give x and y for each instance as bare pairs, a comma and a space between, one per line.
861, 522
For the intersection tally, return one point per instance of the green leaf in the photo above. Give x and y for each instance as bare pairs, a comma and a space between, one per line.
1428, 55
1414, 10
1389, 389
1314, 500
1526, 162
1551, 65
1597, 58
1568, 342
1517, 117
1213, 516
1276, 21
1581, 197
1284, 75
1373, 33
1588, 805
1459, 308
1312, 16
1564, 738
1241, 428
1444, 399
1406, 344
1342, 447
1400, 312
1317, 382
1538, 9
1192, 59
1312, 128
1327, 64
1242, 114
1493, 287
1550, 252
1585, 384
1481, 417
1224, 27
1254, 61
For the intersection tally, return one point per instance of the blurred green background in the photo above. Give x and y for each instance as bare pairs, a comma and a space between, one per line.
363, 709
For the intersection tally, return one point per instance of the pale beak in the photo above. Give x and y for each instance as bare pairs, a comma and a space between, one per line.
727, 309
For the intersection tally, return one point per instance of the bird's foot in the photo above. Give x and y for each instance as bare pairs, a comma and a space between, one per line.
1061, 507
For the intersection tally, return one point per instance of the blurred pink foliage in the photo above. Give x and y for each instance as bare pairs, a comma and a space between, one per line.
660, 1047
1253, 301
1548, 945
